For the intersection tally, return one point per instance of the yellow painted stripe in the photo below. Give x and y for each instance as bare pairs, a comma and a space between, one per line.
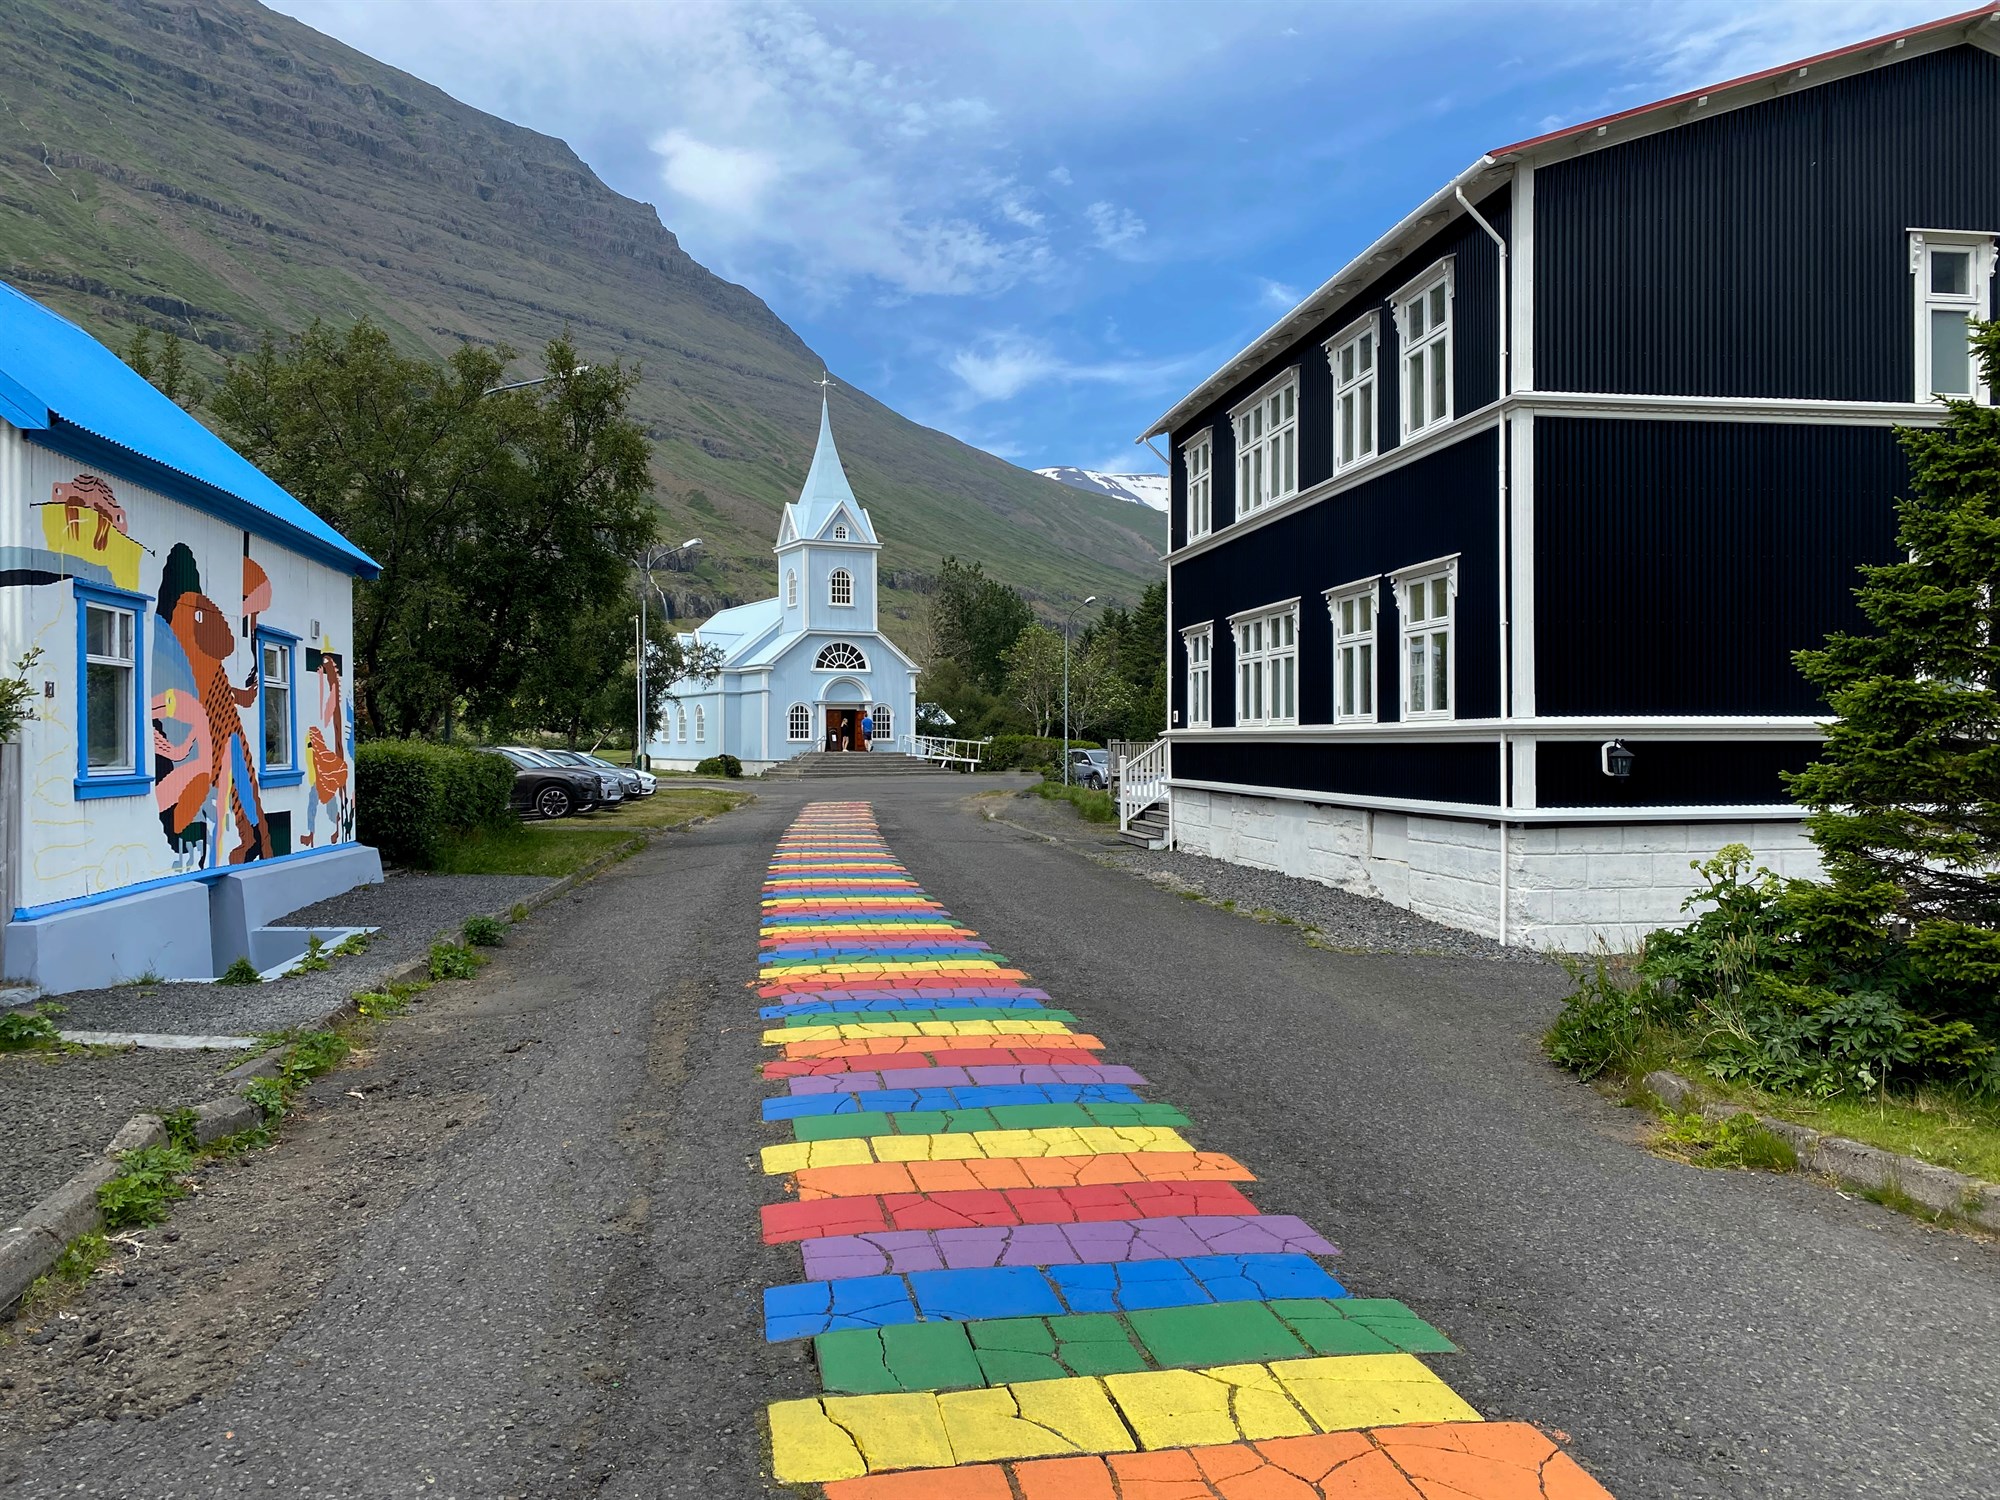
856, 1030
844, 1437
991, 1145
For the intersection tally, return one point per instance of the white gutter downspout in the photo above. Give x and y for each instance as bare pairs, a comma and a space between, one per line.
1506, 614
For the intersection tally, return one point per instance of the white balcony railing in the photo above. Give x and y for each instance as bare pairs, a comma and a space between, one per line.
961, 755
1142, 782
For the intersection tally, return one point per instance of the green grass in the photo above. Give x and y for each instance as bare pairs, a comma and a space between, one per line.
1944, 1129
1738, 1141
1093, 806
568, 844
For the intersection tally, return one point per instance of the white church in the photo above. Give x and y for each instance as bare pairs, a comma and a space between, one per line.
808, 669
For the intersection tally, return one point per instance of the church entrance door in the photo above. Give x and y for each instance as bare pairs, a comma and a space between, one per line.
843, 729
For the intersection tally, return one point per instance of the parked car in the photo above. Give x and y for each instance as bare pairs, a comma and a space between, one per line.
636, 783
553, 791
610, 789
1091, 768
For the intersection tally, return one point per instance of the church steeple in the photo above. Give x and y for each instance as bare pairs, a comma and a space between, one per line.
827, 499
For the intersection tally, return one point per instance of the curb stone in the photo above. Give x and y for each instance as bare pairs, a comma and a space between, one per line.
1854, 1162
30, 1248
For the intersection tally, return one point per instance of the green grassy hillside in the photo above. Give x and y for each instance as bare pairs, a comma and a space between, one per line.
219, 170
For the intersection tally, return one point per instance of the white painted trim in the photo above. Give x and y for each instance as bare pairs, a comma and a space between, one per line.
1446, 265
1434, 565
1977, 301
1445, 271
1483, 812
1522, 752
1658, 726
1205, 440
1354, 586
1276, 606
1766, 409
1287, 376
1370, 319
1521, 560
1521, 299
1188, 630
1371, 590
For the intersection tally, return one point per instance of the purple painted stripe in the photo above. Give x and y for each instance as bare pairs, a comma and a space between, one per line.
951, 1078
1096, 1242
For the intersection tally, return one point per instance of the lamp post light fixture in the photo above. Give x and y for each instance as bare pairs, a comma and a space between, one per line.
645, 562
1617, 758
1069, 618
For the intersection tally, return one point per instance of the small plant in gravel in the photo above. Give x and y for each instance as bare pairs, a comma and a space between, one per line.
240, 972
79, 1258
180, 1125
314, 1053
148, 979
315, 960
353, 945
374, 1004
519, 911
451, 960
269, 1096
148, 1180
485, 932
29, 1030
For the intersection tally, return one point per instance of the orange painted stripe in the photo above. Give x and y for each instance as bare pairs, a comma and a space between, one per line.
974, 1174
890, 1046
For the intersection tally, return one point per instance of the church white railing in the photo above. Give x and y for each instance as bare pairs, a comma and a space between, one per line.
1142, 783
964, 754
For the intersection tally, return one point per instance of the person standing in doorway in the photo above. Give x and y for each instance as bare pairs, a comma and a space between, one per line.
867, 729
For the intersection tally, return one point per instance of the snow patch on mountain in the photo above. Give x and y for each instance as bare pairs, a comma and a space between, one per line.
1149, 490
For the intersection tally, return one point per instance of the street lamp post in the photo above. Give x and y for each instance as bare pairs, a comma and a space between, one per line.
1068, 620
645, 562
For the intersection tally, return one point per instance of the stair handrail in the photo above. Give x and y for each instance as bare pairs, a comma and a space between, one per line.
949, 752
1142, 782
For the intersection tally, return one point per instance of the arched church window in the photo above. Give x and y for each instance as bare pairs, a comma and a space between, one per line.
885, 724
840, 533
700, 723
791, 589
841, 656
798, 723
840, 587
681, 725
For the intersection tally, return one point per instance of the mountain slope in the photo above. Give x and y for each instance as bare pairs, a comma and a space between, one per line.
220, 170
1149, 490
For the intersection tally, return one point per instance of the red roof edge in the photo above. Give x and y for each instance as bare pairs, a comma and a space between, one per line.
1990, 8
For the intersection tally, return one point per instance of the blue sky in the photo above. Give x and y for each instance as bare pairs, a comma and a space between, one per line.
1036, 225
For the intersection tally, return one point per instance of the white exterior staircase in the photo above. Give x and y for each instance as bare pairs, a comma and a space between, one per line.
1145, 808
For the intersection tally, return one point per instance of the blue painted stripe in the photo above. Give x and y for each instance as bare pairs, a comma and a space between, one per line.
219, 872
814, 1307
899, 1002
975, 1096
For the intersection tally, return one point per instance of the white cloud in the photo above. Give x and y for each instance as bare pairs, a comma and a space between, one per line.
1060, 176
1276, 295
1115, 229
1000, 366
730, 180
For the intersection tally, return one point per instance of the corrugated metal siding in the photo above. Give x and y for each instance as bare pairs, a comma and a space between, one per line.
1475, 362
1456, 771
1437, 505
1764, 252
1678, 565
1670, 773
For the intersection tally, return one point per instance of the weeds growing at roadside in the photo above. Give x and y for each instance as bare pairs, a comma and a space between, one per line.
484, 932
29, 1030
353, 945
148, 1180
180, 1125
519, 911
1733, 1141
79, 1258
451, 960
240, 972
315, 960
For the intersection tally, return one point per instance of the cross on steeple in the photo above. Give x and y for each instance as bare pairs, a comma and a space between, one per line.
825, 383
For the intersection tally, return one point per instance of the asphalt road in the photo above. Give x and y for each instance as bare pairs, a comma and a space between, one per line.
564, 1300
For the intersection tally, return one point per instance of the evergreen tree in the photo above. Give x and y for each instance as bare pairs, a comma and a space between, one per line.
1905, 797
975, 621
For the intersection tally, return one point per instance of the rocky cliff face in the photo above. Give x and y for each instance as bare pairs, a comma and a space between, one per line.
217, 170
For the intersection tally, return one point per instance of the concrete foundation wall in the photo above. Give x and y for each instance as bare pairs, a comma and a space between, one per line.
1569, 887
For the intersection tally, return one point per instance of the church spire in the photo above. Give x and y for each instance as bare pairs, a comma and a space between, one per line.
826, 489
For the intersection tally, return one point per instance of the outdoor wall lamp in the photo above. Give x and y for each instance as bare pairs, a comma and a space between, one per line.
1617, 758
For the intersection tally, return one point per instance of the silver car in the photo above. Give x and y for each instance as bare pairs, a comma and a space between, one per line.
1091, 768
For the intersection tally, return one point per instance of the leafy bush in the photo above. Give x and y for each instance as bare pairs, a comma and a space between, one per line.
1095, 806
1797, 987
452, 961
241, 972
412, 796
720, 765
148, 1180
485, 932
1028, 752
24, 1030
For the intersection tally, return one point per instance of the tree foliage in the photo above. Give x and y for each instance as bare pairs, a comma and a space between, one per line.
502, 520
1907, 789
975, 621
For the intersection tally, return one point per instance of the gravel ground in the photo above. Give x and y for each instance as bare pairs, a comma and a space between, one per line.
411, 910
58, 1110
1340, 919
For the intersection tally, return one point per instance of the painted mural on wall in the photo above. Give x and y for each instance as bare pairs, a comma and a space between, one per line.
84, 536
329, 751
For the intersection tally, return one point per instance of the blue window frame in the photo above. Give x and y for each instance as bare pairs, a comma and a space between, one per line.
278, 708
111, 738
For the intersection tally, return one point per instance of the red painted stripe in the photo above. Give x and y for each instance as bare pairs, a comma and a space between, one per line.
793, 1067
1004, 1207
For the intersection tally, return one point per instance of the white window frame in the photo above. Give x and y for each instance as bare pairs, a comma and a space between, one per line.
1356, 611
700, 725
1418, 353
834, 580
840, 533
1266, 641
1199, 456
126, 640
1424, 634
859, 664
1267, 444
1198, 641
798, 724
791, 588
680, 723
1975, 302
885, 724
1355, 386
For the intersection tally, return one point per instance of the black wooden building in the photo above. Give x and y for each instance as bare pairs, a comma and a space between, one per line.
1566, 465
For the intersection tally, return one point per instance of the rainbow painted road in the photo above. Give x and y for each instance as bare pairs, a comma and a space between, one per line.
1021, 1279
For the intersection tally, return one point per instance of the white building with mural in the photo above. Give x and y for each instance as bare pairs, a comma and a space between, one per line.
808, 669
187, 776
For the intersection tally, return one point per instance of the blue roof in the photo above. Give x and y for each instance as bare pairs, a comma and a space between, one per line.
57, 379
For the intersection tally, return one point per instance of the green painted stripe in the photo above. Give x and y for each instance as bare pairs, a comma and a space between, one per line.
999, 1117
995, 1351
964, 1013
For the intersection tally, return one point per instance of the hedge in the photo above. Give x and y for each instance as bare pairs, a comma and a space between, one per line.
412, 796
1028, 752
719, 765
